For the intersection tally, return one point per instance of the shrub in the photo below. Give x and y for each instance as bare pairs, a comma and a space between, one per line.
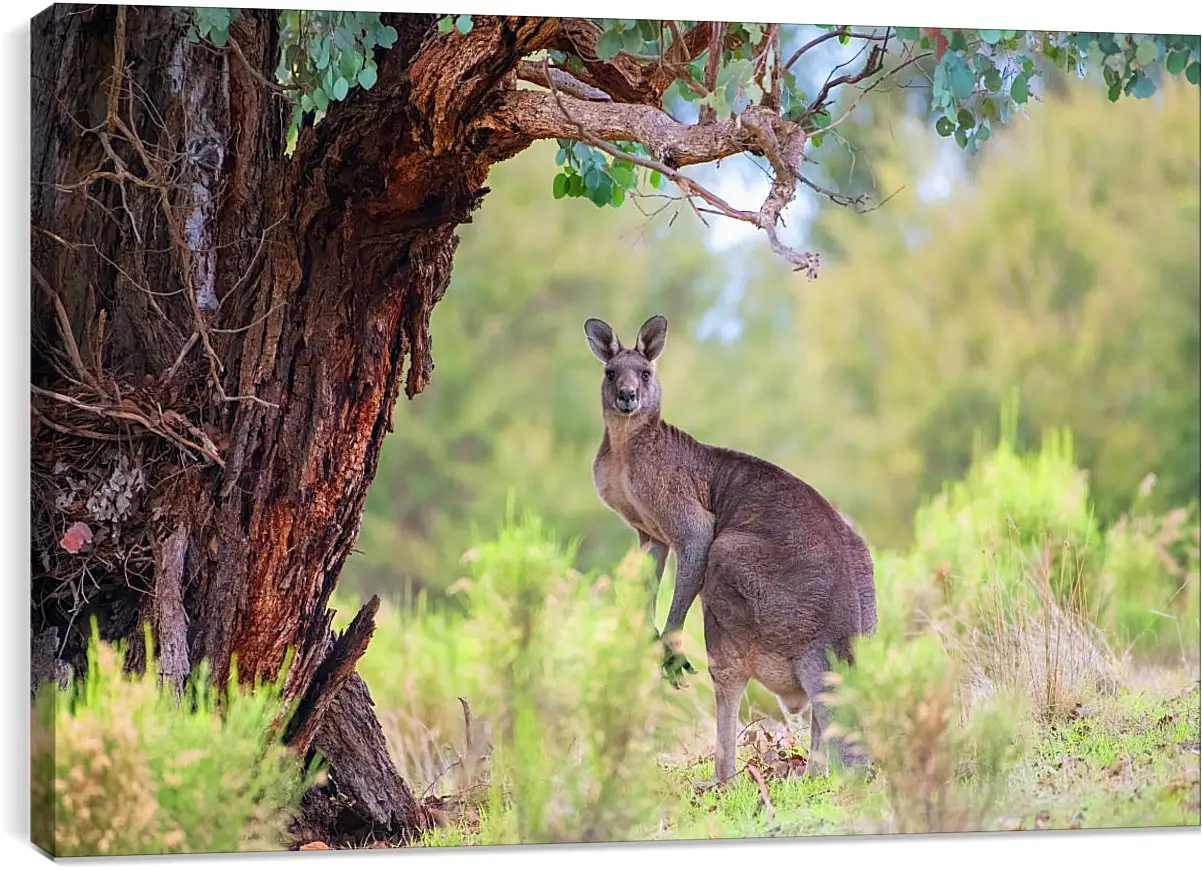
119, 767
1013, 515
942, 767
572, 682
1151, 579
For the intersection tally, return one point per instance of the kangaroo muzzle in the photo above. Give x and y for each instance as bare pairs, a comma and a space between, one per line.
627, 401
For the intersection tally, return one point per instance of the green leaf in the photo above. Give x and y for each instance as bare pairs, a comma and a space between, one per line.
632, 41
349, 63
464, 24
1176, 61
367, 77
991, 37
962, 78
961, 137
220, 38
983, 132
1147, 52
623, 173
387, 35
656, 179
193, 34
608, 45
993, 80
559, 188
341, 87
1193, 73
1019, 89
445, 24
343, 40
602, 193
618, 197
945, 126
909, 34
1143, 88
321, 99
966, 118
306, 102
582, 153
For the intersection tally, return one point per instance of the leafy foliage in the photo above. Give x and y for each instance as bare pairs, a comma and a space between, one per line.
981, 78
604, 180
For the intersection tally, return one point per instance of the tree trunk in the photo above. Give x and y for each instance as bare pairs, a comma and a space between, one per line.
219, 333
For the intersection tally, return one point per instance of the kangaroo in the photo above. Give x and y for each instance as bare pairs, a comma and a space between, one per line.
784, 579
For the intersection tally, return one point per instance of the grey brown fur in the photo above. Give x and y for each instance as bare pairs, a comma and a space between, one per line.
784, 580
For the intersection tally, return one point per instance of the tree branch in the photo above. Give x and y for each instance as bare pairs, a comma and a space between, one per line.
527, 115
876, 60
560, 79
818, 40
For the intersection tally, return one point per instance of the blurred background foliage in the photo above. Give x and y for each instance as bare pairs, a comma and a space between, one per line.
1060, 267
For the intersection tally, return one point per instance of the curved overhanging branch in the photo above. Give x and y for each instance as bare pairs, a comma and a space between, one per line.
519, 117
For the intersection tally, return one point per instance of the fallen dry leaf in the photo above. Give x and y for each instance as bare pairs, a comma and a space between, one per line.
316, 844
76, 537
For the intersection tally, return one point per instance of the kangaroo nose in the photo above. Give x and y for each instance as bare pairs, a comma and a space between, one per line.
626, 394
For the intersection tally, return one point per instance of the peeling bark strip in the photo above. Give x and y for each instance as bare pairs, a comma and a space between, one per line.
331, 677
169, 619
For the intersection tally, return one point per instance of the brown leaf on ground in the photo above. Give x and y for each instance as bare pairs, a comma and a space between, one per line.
76, 537
315, 845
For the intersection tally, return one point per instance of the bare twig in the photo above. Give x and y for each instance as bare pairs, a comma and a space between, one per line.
118, 68
818, 40
874, 64
163, 427
765, 803
711, 69
64, 328
91, 434
549, 76
886, 77
258, 76
183, 353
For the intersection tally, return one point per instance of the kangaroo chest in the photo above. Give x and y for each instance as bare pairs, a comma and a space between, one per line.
615, 487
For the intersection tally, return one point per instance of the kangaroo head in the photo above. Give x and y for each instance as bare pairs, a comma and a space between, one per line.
630, 386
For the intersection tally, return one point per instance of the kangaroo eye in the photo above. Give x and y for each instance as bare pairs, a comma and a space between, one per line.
646, 376
609, 375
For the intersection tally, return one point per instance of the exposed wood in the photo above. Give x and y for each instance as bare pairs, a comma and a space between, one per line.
169, 619
331, 678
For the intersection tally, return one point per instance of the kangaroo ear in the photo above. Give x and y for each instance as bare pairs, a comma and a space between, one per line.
652, 337
601, 339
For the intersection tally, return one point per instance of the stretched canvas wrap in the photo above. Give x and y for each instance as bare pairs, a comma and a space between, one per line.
457, 429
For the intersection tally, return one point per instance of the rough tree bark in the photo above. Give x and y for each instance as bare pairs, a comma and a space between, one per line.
219, 339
